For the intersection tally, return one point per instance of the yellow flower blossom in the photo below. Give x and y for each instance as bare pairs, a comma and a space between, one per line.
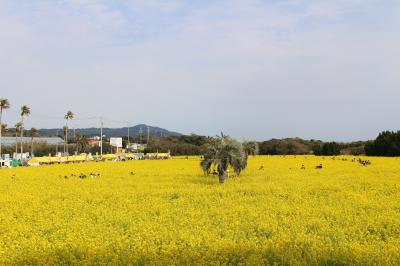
168, 213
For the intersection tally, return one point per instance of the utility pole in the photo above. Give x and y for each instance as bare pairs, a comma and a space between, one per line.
65, 139
140, 135
101, 136
57, 142
76, 143
128, 138
16, 142
148, 134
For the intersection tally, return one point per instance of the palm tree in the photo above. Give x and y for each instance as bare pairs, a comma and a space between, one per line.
68, 116
18, 127
4, 104
81, 143
25, 111
221, 153
251, 147
3, 128
32, 133
64, 134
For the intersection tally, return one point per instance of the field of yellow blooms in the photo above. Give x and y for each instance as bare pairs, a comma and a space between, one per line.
169, 213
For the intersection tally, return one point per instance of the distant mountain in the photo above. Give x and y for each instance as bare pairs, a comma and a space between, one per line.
115, 132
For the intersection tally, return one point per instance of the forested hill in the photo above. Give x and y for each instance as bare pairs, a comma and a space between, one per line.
134, 131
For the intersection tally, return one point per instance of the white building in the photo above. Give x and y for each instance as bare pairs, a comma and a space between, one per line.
10, 141
5, 163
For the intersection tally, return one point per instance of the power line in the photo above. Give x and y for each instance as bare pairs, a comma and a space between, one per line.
96, 119
36, 115
88, 118
115, 121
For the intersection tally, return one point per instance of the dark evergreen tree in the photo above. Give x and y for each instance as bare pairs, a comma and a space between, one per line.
386, 144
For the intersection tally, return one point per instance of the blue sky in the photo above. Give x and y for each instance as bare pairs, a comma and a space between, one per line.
253, 69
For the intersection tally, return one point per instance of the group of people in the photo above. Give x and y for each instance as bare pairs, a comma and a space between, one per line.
364, 162
320, 166
83, 176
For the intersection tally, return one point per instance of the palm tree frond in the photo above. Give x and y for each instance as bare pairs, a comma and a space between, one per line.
223, 152
25, 110
4, 104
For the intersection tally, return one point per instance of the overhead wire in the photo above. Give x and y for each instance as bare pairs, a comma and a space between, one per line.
98, 119
43, 116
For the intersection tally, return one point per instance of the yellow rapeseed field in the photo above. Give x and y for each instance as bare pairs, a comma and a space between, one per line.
169, 213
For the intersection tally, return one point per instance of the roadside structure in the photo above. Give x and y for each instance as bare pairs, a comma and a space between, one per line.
10, 141
158, 156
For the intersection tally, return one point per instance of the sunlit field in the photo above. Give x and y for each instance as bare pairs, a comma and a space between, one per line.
168, 212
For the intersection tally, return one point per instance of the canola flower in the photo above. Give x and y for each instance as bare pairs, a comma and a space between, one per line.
169, 213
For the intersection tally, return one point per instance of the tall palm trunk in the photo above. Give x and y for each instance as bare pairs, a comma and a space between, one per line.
16, 141
66, 138
22, 135
31, 146
1, 129
222, 176
67, 117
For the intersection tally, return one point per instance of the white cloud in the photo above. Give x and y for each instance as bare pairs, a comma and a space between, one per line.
274, 65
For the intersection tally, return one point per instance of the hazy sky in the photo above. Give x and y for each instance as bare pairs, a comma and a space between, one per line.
254, 69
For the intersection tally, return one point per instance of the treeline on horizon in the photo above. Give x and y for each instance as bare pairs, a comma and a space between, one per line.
386, 144
194, 145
